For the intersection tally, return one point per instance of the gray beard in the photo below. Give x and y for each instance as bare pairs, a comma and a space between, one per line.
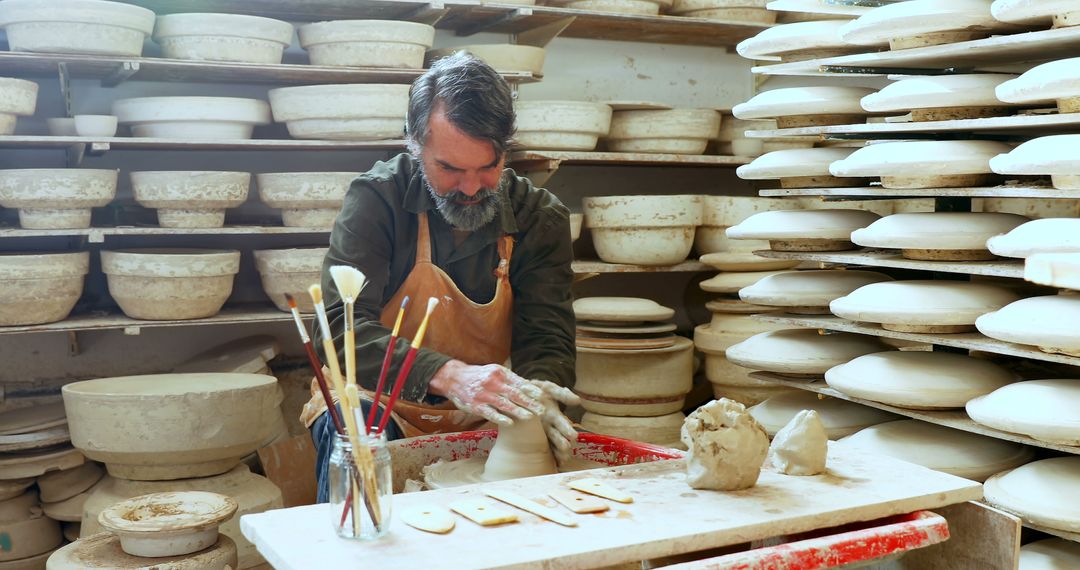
468, 218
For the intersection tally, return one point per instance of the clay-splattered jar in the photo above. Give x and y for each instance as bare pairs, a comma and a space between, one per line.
806, 106
1050, 235
306, 199
1060, 13
502, 57
1048, 322
801, 352
801, 168
674, 131
919, 23
798, 41
1041, 157
804, 230
18, 97
208, 118
40, 287
807, 292
940, 98
840, 417
1057, 81
103, 550
56, 198
1034, 492
936, 307
290, 271
170, 284
658, 430
367, 43
643, 230
76, 26
938, 236
924, 164
190, 199
649, 382
561, 125
1047, 410
353, 112
222, 37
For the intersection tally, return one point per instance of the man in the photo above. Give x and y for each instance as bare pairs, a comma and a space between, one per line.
446, 220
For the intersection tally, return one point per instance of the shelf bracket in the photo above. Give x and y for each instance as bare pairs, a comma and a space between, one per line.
429, 13
65, 87
541, 36
484, 25
538, 171
74, 154
73, 343
122, 73
861, 70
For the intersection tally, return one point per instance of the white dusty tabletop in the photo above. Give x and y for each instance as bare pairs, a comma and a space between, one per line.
666, 517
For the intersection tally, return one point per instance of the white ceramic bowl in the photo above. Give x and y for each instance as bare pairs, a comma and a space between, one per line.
1047, 410
808, 291
170, 284
840, 417
801, 351
921, 306
561, 125
306, 199
1054, 81
367, 43
222, 37
1043, 156
95, 125
40, 287
936, 92
924, 22
342, 112
643, 230
18, 97
1048, 322
168, 524
675, 131
56, 198
76, 26
213, 118
502, 57
1034, 492
1050, 235
190, 199
931, 235
800, 40
919, 164
290, 271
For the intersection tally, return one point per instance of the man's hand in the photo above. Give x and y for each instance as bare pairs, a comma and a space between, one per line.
560, 432
491, 391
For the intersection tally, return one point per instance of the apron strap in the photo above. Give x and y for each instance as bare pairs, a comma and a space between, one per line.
423, 240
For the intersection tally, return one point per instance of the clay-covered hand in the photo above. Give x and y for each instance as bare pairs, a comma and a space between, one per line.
560, 432
491, 391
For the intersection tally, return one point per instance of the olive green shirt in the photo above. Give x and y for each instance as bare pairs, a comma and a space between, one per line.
376, 232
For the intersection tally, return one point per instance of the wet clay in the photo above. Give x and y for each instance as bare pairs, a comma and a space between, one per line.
800, 447
726, 447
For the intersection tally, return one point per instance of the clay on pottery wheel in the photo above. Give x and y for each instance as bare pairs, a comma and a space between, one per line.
1062, 13
1055, 81
306, 199
1044, 156
808, 292
620, 309
1035, 491
922, 305
806, 106
943, 97
521, 450
1047, 410
213, 118
32, 418
1048, 322
36, 463
18, 97
56, 198
63, 485
1050, 554
1051, 235
648, 382
76, 26
168, 524
802, 352
924, 164
40, 288
367, 43
222, 37
800, 168
725, 447
918, 380
840, 417
561, 125
658, 430
501, 57
290, 271
103, 551
801, 447
190, 199
674, 131
798, 41
918, 23
940, 448
170, 284
938, 236
643, 230
355, 112
804, 230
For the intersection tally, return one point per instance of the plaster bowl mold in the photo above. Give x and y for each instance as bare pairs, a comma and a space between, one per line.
561, 125
68, 510
658, 430
936, 307
32, 418
643, 230
222, 37
290, 271
650, 382
168, 524
818, 8
721, 212
918, 380
1034, 492
10, 489
642, 7
109, 422
1062, 13
620, 310
170, 284
808, 292
750, 11
30, 537
103, 550
674, 131
342, 112
63, 485
1043, 156
19, 465
731, 381
502, 57
1050, 554
76, 26
806, 106
798, 41
1049, 235
1056, 81
733, 140
924, 164
801, 168
1047, 410
841, 418
209, 118
56, 198
728, 329
919, 23
576, 221
367, 43
938, 236
40, 287
60, 126
940, 448
941, 98
190, 199
1048, 322
103, 126
804, 230
801, 352
306, 199
18, 98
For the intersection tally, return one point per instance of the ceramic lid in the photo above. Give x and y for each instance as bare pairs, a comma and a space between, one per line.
1047, 410
815, 288
1044, 83
245, 356
1035, 492
801, 351
936, 230
924, 380
840, 417
1042, 156
162, 513
1031, 11
1049, 235
920, 158
790, 38
32, 418
922, 302
794, 162
732, 282
1050, 321
1050, 554
940, 448
802, 224
816, 7
918, 17
620, 309
803, 101
103, 550
974, 90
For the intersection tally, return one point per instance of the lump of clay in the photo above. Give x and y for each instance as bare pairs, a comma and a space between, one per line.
726, 447
801, 446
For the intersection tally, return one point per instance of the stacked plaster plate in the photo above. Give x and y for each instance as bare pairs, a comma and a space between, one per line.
821, 9
76, 26
1035, 492
64, 493
290, 271
1051, 235
918, 23
720, 213
103, 550
18, 97
941, 98
935, 307
56, 198
306, 199
732, 139
804, 230
918, 380
31, 430
801, 168
190, 199
502, 57
1063, 13
561, 125
643, 7
223, 37
752, 11
342, 112
27, 532
797, 42
367, 43
170, 284
801, 353
643, 230
660, 430
1047, 410
807, 292
1048, 322
23, 464
1050, 554
924, 164
674, 131
806, 106
209, 118
841, 418
938, 236
1044, 156
38, 288
948, 450
1057, 81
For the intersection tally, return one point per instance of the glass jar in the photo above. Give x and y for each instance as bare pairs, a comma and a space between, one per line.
360, 498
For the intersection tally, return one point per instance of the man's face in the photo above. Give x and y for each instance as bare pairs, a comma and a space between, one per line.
463, 174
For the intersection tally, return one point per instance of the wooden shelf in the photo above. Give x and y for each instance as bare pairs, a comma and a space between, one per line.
591, 266
97, 235
892, 258
968, 341
1015, 126
559, 157
1056, 270
956, 419
302, 11
96, 145
111, 321
1003, 191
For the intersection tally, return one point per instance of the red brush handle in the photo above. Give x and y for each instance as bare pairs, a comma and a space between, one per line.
399, 383
317, 367
382, 381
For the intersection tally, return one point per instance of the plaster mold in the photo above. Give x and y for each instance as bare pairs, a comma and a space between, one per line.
804, 230
190, 199
840, 418
725, 447
1043, 156
674, 131
801, 447
1062, 13
620, 310
1047, 410
924, 164
168, 524
18, 98
30, 535
367, 43
801, 168
170, 284
306, 199
743, 260
750, 11
100, 126
1048, 322
503, 58
10, 489
103, 550
657, 430
808, 292
1050, 554
199, 118
732, 139
561, 125
1034, 492
62, 485
642, 7
721, 212
938, 236
734, 382
40, 287
76, 26
801, 352
806, 106
730, 283
290, 271
649, 382
1051, 235
1056, 81
944, 97
919, 23
68, 510
798, 41
56, 198
576, 221
643, 230
37, 463
936, 307
222, 37
361, 112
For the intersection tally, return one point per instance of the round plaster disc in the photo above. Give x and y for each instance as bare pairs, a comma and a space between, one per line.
613, 328
103, 551
1036, 492
1047, 410
34, 418
801, 351
35, 440
37, 463
1050, 554
621, 309
840, 417
625, 342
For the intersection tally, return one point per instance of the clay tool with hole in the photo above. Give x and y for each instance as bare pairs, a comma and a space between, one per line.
600, 489
577, 502
429, 518
529, 506
483, 513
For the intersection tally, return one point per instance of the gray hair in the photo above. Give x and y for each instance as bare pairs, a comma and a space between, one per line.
476, 100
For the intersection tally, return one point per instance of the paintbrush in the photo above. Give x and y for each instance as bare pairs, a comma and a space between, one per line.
406, 366
386, 362
313, 359
349, 282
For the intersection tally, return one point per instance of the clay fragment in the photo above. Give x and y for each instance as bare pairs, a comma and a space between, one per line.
726, 447
800, 448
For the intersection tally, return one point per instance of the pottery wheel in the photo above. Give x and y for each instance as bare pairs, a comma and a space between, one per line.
31, 419
445, 474
103, 551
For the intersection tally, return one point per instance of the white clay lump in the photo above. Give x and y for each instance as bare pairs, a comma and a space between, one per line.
808, 292
938, 235
804, 230
1047, 410
1054, 81
922, 306
840, 417
804, 106
1044, 156
1048, 322
923, 164
801, 351
917, 23
1048, 235
801, 448
725, 447
1037, 492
